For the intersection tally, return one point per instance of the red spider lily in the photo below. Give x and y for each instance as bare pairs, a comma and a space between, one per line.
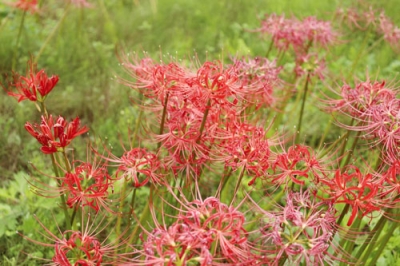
360, 19
391, 188
375, 108
391, 32
26, 5
298, 162
206, 232
298, 34
83, 247
55, 135
138, 165
302, 231
88, 185
351, 187
27, 88
359, 101
260, 78
155, 81
245, 146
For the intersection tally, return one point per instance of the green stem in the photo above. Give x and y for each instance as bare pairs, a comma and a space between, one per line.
345, 143
327, 128
144, 217
239, 181
302, 108
62, 196
350, 244
372, 237
164, 115
383, 241
352, 149
46, 42
21, 25
269, 48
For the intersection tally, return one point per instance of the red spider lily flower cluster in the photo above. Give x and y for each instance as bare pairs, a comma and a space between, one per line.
205, 232
245, 146
55, 135
354, 17
391, 33
298, 164
88, 185
360, 191
27, 88
26, 5
375, 108
83, 247
138, 165
297, 34
201, 109
260, 76
302, 231
370, 18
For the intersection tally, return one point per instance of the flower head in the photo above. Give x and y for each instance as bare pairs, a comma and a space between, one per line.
34, 87
85, 246
87, 185
26, 5
302, 230
55, 135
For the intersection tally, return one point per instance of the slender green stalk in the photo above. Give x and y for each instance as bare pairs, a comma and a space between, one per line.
269, 48
164, 115
350, 244
239, 181
203, 122
302, 108
62, 196
344, 211
21, 25
352, 149
123, 190
51, 35
327, 128
372, 237
383, 241
143, 218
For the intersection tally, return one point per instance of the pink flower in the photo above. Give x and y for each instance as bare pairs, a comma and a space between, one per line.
205, 232
302, 230
55, 135
391, 32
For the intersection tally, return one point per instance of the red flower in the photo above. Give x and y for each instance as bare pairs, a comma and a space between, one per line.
352, 187
27, 87
26, 5
55, 135
88, 186
138, 165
